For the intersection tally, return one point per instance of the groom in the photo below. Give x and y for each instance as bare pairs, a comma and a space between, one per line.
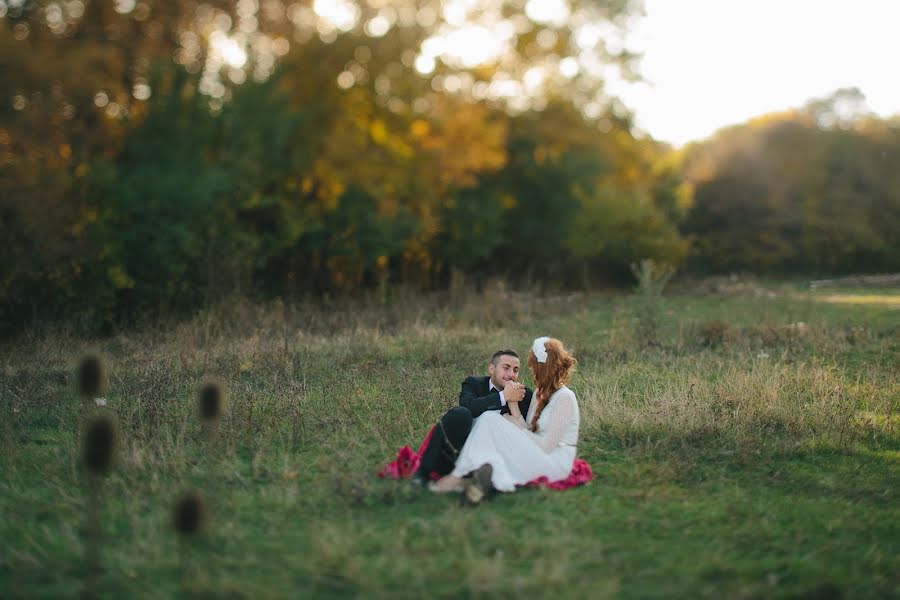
478, 394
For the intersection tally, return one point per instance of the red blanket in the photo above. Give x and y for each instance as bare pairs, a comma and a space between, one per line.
407, 463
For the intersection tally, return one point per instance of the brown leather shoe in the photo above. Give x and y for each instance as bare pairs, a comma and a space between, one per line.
479, 486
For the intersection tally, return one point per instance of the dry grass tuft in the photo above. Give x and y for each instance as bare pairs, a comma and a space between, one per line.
766, 404
713, 333
770, 335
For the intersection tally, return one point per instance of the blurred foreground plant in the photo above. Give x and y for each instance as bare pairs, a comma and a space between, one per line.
190, 519
98, 458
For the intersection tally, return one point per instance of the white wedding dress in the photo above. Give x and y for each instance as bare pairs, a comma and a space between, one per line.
518, 455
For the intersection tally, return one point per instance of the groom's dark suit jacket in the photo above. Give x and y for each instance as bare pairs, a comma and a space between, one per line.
477, 398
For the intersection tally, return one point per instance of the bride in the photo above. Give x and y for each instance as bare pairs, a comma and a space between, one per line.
503, 451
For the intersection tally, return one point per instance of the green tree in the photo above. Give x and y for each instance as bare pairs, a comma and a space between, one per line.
804, 191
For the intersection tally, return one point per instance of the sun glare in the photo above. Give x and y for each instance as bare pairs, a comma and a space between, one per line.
568, 67
534, 78
340, 14
467, 47
227, 50
472, 46
377, 26
708, 64
552, 12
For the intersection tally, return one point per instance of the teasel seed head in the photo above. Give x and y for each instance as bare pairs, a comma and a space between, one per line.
100, 444
190, 514
91, 376
212, 401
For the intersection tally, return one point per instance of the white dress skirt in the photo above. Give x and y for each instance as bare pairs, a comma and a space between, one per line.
518, 455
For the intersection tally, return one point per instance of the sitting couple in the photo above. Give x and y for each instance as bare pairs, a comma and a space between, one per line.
487, 437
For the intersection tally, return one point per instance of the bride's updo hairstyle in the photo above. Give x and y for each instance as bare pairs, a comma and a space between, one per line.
550, 375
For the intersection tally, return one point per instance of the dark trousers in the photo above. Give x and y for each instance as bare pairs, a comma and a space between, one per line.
446, 442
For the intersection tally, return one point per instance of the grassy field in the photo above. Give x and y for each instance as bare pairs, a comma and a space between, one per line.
745, 440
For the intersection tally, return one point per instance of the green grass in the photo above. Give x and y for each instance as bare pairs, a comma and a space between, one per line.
750, 450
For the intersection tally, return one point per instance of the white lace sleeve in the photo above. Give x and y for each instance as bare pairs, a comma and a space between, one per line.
563, 413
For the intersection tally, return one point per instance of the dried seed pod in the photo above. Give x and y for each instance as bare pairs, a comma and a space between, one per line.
91, 376
190, 513
212, 401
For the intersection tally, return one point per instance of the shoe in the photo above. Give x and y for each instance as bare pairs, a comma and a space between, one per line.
482, 478
472, 494
418, 481
479, 487
433, 487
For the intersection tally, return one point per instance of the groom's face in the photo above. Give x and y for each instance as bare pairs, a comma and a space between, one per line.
504, 369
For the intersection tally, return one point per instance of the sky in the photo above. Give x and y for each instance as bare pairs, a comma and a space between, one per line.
712, 63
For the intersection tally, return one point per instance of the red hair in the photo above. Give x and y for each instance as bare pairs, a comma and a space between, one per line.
549, 376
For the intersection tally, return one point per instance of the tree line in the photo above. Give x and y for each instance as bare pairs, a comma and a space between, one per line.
163, 191
814, 191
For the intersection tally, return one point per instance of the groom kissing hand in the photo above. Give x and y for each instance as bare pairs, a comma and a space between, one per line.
478, 394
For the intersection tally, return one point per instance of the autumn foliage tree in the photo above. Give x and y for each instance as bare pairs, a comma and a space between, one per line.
155, 157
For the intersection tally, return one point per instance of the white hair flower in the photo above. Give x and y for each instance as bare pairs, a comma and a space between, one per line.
540, 349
